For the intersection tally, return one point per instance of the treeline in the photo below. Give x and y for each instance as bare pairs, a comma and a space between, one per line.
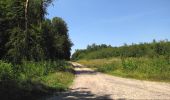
25, 33
153, 49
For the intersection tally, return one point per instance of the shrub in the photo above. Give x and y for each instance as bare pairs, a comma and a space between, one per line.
107, 67
29, 69
129, 64
6, 71
33, 69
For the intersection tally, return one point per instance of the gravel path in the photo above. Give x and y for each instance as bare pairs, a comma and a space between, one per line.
94, 85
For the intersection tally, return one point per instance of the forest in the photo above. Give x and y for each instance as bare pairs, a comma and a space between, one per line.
145, 61
33, 50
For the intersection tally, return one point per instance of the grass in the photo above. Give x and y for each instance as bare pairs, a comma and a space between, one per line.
58, 80
154, 69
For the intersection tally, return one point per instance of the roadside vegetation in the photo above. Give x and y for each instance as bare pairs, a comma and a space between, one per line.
147, 61
32, 80
155, 69
33, 51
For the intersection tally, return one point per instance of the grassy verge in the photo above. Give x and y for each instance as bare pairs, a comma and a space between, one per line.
154, 69
33, 80
59, 80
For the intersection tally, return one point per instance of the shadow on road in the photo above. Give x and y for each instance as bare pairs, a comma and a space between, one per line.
11, 90
89, 72
80, 93
75, 94
79, 72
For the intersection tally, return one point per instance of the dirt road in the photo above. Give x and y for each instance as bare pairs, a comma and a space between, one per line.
91, 85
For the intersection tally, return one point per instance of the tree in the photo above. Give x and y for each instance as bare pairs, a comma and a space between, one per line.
61, 34
26, 34
12, 18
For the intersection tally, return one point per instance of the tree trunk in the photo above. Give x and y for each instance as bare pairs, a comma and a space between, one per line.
26, 15
41, 14
26, 31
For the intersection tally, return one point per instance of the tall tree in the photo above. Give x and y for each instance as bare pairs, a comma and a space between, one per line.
62, 36
26, 34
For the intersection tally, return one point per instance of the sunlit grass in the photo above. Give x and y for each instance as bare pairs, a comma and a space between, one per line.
156, 69
98, 62
58, 80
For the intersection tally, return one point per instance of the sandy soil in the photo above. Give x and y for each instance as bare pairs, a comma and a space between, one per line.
91, 85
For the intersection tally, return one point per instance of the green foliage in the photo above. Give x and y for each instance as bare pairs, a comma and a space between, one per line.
59, 80
15, 45
107, 67
55, 40
30, 79
37, 69
28, 69
156, 68
34, 39
6, 71
154, 49
33, 45
129, 64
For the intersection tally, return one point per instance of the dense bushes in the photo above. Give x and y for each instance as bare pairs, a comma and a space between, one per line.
6, 71
129, 64
31, 79
147, 68
29, 69
154, 49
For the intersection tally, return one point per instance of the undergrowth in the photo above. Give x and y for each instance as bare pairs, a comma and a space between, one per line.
31, 80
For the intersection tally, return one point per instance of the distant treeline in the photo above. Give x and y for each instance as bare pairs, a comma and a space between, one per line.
153, 49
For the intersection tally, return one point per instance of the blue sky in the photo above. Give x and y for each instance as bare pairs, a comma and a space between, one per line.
113, 22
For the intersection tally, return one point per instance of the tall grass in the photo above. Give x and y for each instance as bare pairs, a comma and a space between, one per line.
59, 80
157, 68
